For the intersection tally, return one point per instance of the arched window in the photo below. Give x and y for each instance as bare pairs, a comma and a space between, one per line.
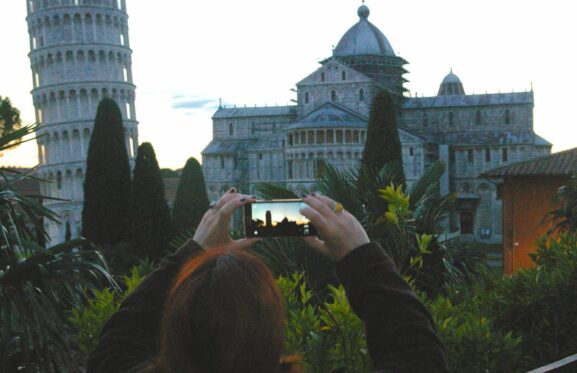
306, 97
507, 116
451, 119
361, 94
322, 77
231, 129
59, 180
344, 75
478, 118
333, 96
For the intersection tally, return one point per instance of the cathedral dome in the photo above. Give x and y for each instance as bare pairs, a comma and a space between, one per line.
451, 85
363, 39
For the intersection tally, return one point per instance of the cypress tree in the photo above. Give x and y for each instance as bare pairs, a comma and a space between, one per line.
149, 213
383, 144
191, 201
107, 181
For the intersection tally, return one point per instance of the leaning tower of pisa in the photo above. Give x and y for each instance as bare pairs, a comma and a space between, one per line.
79, 53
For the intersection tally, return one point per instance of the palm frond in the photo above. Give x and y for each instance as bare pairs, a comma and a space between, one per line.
15, 137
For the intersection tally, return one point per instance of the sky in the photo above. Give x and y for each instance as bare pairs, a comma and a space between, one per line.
189, 54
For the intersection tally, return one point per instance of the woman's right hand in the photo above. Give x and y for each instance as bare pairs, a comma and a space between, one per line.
339, 233
212, 232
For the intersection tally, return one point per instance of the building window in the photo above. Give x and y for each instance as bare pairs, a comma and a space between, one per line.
470, 155
411, 151
222, 163
344, 75
425, 120
260, 156
290, 140
306, 97
310, 137
333, 96
320, 168
505, 155
230, 129
451, 119
507, 116
290, 169
499, 192
322, 77
282, 143
59, 180
361, 95
339, 136
478, 118
467, 222
487, 155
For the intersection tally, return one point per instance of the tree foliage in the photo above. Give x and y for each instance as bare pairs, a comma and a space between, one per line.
149, 214
9, 117
383, 145
191, 201
38, 285
564, 217
107, 181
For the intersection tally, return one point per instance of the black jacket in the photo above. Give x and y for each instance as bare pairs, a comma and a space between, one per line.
400, 332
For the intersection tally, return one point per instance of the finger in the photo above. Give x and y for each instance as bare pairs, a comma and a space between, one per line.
314, 216
225, 198
237, 201
327, 201
318, 205
244, 243
317, 244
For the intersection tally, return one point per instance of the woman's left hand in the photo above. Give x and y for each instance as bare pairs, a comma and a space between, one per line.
212, 232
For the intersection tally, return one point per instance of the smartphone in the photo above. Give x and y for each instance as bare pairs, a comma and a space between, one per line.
277, 218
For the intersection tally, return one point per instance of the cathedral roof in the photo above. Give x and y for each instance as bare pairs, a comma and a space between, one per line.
228, 146
363, 39
247, 112
514, 98
330, 115
492, 137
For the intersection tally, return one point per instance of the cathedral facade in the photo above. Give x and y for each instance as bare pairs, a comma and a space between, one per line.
290, 144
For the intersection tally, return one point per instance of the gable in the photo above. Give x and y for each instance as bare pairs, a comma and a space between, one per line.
333, 70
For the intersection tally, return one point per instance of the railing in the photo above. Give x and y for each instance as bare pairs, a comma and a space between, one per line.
569, 364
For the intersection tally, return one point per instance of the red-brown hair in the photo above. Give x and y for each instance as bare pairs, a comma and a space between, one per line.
224, 314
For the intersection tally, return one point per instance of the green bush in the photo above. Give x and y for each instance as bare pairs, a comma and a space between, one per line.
325, 333
89, 319
516, 323
495, 324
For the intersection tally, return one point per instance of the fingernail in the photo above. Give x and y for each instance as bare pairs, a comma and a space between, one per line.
243, 199
232, 190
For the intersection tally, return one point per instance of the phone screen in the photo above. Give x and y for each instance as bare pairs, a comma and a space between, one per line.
277, 218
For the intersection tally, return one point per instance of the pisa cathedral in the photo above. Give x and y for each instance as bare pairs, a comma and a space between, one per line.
286, 144
79, 53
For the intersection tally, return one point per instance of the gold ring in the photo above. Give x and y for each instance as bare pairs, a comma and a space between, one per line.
338, 208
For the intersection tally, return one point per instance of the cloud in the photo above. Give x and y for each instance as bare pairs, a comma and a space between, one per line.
191, 103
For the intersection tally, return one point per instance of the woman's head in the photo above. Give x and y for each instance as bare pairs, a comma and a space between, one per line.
224, 314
